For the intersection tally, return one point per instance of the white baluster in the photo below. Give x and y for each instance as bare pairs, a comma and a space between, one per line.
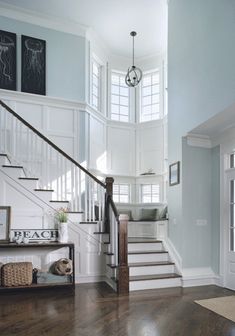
79, 190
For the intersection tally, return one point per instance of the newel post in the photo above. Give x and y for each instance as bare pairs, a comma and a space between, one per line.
123, 269
109, 193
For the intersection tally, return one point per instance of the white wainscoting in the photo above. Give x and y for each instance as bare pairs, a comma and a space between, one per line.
121, 150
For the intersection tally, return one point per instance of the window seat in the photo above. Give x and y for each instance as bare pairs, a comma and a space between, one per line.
148, 228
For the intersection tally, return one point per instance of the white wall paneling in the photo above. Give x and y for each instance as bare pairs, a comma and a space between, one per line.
121, 150
150, 147
98, 153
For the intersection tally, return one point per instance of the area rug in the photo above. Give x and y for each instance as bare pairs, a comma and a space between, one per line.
224, 306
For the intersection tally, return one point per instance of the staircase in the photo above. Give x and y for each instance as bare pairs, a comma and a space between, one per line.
57, 180
150, 265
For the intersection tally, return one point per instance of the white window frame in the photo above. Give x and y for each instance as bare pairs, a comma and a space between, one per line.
95, 61
151, 194
119, 73
146, 73
117, 196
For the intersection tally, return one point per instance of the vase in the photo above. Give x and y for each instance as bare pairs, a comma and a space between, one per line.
63, 232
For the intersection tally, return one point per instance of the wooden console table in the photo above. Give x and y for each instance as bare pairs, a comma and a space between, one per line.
48, 245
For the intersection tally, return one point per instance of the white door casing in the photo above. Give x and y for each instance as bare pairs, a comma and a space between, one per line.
229, 230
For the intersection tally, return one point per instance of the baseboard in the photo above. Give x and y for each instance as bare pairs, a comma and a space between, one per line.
199, 276
89, 278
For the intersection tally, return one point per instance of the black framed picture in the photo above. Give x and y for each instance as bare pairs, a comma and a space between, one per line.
33, 78
5, 222
7, 60
174, 173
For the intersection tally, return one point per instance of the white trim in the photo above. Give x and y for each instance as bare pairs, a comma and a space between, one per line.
174, 254
201, 276
79, 279
43, 20
198, 140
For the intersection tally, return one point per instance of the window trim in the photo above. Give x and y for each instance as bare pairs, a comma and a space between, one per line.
119, 194
151, 194
95, 60
151, 72
119, 73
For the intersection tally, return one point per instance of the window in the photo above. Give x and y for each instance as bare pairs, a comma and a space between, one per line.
150, 193
119, 98
96, 85
121, 193
150, 96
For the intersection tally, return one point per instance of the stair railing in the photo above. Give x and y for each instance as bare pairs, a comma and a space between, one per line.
117, 226
56, 170
71, 182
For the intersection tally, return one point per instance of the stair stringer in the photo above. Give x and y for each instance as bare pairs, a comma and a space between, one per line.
174, 255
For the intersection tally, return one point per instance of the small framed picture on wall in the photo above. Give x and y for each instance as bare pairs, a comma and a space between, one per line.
5, 222
174, 173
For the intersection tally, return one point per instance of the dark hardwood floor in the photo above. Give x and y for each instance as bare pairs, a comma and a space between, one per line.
95, 310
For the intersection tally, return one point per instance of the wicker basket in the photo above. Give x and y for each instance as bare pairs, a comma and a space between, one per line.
17, 274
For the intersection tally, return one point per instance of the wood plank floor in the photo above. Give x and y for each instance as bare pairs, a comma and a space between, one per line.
95, 310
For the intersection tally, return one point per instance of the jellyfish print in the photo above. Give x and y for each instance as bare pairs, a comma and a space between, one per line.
33, 65
7, 60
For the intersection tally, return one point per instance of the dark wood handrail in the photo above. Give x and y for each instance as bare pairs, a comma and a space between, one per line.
49, 142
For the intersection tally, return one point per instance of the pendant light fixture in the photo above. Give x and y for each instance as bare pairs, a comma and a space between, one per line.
134, 74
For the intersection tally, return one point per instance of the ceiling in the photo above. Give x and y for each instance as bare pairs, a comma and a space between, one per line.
112, 20
216, 125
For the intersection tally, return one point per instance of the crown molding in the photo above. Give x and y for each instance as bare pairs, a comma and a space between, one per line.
198, 140
42, 20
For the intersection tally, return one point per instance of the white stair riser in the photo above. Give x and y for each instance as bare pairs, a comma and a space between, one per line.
58, 205
156, 283
111, 272
29, 184
45, 196
76, 218
148, 270
132, 258
14, 173
145, 247
4, 160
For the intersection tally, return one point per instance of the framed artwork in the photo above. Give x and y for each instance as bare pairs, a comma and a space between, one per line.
33, 78
5, 218
7, 60
174, 173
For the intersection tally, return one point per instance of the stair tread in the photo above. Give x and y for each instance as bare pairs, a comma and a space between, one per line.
154, 277
151, 263
147, 252
75, 212
143, 240
29, 178
112, 265
12, 166
87, 222
53, 201
100, 232
51, 190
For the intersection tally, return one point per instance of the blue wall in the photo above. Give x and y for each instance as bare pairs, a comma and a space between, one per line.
201, 83
65, 58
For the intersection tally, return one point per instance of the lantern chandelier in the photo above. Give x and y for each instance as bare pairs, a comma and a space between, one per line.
134, 74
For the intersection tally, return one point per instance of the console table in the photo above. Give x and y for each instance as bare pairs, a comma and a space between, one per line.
47, 245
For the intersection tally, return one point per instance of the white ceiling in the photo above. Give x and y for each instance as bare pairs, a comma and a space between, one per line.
216, 125
112, 20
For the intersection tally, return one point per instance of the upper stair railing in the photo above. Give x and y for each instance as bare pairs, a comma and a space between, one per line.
70, 181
